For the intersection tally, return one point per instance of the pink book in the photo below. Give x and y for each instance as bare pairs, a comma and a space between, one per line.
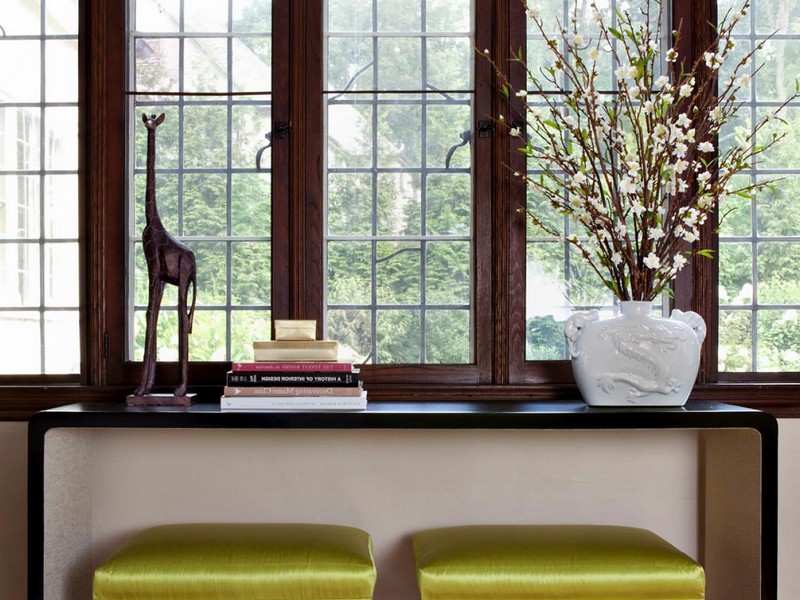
278, 366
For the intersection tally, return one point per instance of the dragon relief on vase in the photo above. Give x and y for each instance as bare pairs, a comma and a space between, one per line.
643, 344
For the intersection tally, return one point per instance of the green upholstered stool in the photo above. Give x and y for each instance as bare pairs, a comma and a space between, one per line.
218, 561
553, 562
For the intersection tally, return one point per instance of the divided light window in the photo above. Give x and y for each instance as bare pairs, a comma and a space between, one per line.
39, 266
206, 66
398, 233
759, 254
558, 281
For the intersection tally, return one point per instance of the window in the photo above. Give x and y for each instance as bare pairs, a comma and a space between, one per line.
398, 196
207, 67
558, 282
759, 254
39, 260
334, 161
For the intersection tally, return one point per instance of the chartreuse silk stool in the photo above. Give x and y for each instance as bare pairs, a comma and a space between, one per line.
553, 562
217, 561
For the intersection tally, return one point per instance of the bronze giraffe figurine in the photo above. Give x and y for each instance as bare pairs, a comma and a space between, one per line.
168, 261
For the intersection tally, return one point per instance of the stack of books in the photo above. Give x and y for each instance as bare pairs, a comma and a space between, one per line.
290, 385
294, 371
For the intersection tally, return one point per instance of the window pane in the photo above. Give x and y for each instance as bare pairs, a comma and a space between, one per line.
759, 256
210, 193
559, 281
398, 199
24, 357
61, 57
61, 327
39, 257
20, 64
60, 284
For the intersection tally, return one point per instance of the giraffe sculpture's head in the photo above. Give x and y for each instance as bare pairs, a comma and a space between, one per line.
152, 121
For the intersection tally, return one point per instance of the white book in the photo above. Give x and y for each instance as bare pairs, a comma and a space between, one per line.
293, 403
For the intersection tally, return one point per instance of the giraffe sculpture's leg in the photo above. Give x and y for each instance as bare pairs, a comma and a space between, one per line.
151, 332
183, 330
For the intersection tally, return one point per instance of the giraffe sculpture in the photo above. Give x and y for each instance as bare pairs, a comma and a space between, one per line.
168, 261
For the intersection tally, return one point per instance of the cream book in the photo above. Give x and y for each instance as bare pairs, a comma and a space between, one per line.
275, 350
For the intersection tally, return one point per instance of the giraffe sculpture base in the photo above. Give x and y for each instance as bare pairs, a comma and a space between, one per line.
160, 400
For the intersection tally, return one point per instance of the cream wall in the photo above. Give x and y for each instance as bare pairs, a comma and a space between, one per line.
676, 485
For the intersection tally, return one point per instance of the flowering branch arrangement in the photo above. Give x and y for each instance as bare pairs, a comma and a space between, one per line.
637, 169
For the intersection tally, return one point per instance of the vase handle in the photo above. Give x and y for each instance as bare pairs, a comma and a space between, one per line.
693, 320
573, 327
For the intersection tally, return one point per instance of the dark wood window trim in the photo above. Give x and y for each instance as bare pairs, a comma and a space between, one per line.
499, 370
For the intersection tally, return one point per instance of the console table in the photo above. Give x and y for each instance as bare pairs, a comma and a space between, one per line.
69, 453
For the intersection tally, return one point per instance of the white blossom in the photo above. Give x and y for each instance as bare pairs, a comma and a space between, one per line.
685, 90
671, 55
626, 186
655, 233
651, 261
713, 60
683, 120
616, 258
514, 132
678, 262
661, 82
705, 147
594, 53
680, 166
680, 150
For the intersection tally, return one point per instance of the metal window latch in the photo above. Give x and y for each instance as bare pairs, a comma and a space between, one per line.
280, 132
466, 136
485, 129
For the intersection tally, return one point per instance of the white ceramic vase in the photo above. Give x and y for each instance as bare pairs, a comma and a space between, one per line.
635, 359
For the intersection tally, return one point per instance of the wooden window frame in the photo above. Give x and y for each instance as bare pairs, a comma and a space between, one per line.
499, 371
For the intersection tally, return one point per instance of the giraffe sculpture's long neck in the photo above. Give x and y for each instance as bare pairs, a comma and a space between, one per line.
150, 207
